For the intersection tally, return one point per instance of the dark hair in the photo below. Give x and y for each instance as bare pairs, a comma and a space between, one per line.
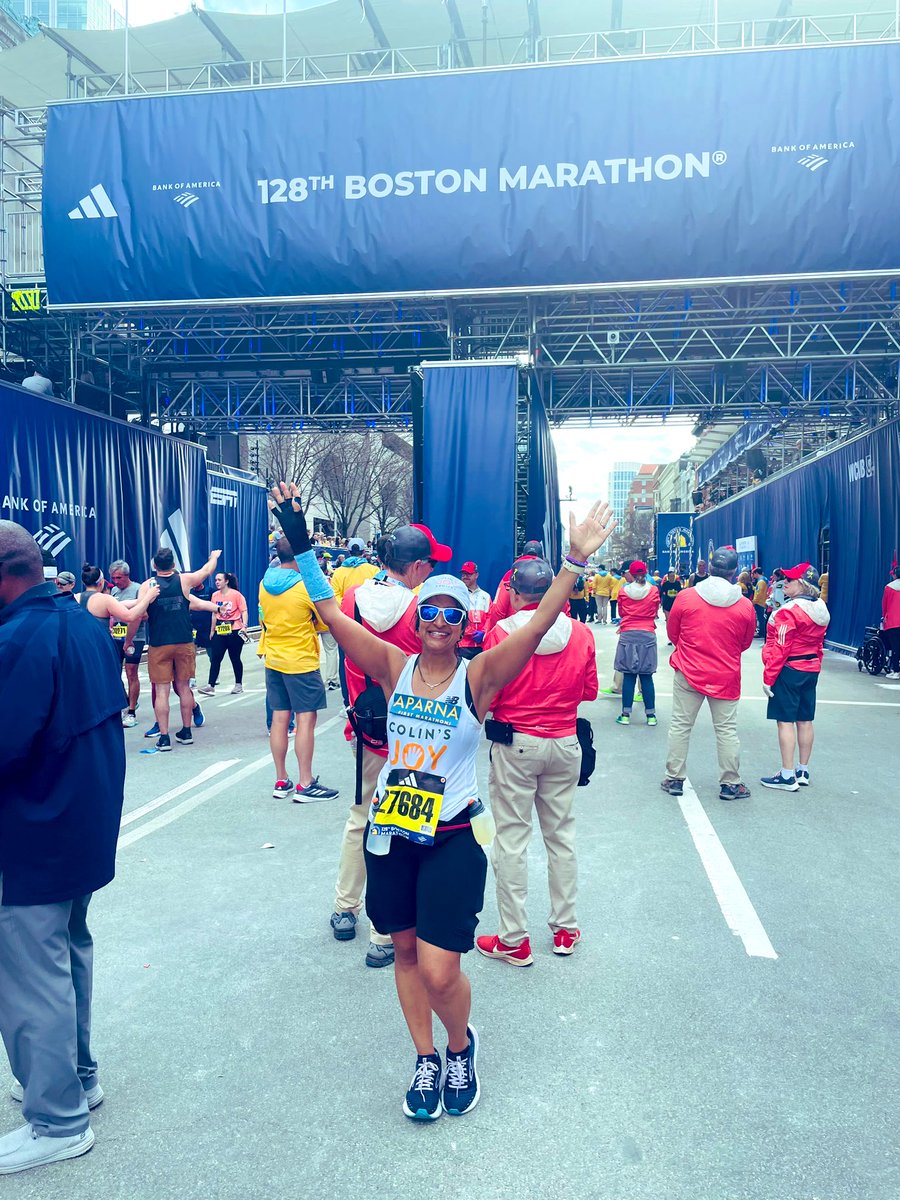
90, 575
230, 579
896, 572
284, 550
164, 559
384, 548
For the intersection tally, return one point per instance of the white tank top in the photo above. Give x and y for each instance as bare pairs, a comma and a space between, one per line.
439, 736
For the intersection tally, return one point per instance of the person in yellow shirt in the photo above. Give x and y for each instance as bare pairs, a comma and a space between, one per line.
615, 587
577, 602
760, 587
602, 587
289, 642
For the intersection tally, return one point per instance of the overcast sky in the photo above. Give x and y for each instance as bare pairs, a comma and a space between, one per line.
586, 456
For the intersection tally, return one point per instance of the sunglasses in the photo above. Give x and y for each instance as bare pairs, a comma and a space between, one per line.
429, 612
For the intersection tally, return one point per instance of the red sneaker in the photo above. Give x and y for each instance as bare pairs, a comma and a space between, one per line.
564, 940
518, 956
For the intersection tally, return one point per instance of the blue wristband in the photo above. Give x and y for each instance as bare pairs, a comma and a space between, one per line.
313, 577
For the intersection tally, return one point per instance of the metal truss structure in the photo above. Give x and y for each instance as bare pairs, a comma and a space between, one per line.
462, 53
702, 353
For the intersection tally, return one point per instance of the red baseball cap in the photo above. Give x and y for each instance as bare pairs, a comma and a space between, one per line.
638, 567
438, 552
797, 572
468, 568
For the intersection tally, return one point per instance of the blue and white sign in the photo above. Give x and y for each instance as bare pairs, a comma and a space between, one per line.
722, 166
747, 552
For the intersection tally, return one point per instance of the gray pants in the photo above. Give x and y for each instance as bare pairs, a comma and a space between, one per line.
46, 973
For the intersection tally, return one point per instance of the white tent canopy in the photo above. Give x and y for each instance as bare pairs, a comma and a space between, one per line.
45, 67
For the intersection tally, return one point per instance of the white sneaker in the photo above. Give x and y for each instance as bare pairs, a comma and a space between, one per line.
893, 675
24, 1148
94, 1095
237, 690
129, 721
206, 691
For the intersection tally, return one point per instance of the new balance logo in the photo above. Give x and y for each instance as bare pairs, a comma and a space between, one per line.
95, 204
812, 162
186, 199
52, 538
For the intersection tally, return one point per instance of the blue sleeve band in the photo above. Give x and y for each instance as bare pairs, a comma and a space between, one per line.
314, 577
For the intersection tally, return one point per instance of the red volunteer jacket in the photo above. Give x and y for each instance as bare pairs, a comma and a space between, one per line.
795, 637
389, 611
543, 699
890, 605
637, 611
711, 624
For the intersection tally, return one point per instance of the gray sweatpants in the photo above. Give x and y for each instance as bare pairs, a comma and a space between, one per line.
46, 972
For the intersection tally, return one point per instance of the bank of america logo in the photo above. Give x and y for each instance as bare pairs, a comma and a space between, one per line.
94, 205
186, 199
52, 539
812, 162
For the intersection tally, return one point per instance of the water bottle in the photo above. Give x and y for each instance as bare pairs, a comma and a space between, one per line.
482, 822
378, 841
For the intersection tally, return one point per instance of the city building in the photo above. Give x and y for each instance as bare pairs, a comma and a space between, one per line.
620, 480
70, 14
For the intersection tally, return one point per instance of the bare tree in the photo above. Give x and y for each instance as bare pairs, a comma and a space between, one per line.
348, 478
293, 457
393, 504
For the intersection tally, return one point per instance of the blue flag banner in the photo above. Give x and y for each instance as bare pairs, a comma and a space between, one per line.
674, 543
92, 489
469, 465
720, 166
848, 496
239, 524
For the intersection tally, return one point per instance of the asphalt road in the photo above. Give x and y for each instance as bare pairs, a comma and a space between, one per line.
726, 1030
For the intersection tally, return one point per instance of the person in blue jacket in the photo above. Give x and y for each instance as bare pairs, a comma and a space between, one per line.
62, 761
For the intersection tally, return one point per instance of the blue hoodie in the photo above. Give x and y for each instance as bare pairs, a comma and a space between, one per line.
278, 580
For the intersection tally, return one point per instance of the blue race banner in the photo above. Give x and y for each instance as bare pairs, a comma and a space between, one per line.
848, 496
239, 523
92, 489
721, 166
674, 543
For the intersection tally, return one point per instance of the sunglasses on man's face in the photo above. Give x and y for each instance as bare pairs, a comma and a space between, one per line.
429, 612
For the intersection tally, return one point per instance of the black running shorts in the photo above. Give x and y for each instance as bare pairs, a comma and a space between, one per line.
794, 696
437, 890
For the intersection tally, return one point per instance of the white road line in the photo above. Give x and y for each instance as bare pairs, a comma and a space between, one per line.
215, 769
736, 906
195, 801
238, 700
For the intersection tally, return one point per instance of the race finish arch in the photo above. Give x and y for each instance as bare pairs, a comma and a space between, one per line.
581, 175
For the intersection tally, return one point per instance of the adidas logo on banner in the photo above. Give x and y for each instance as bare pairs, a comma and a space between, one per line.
94, 205
186, 199
53, 539
812, 162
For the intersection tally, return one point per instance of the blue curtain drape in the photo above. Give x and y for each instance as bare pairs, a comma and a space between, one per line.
468, 463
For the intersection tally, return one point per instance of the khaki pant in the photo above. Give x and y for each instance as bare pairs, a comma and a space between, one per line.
539, 773
686, 704
329, 662
602, 608
351, 880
